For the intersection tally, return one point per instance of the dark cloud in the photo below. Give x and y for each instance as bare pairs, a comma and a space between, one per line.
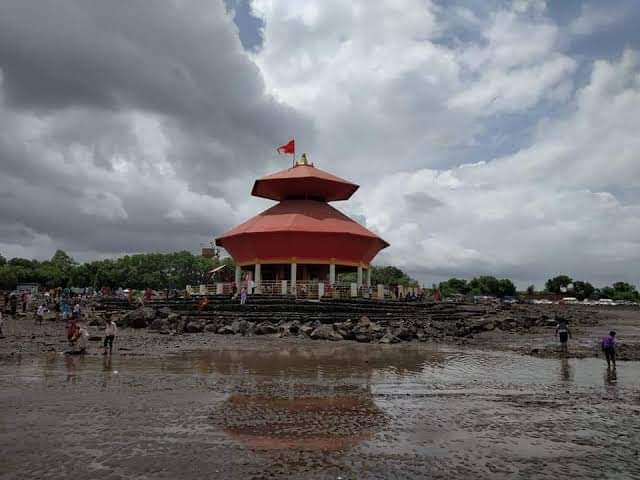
123, 122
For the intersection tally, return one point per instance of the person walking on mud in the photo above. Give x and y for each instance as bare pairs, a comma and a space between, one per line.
608, 345
110, 332
40, 314
13, 302
563, 332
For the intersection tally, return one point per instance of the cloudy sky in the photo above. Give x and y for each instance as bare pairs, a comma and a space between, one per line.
488, 136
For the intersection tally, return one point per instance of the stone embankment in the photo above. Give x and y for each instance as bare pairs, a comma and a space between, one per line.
357, 320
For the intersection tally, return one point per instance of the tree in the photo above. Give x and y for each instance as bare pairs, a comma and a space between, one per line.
454, 286
390, 275
556, 284
3, 261
531, 290
583, 290
488, 285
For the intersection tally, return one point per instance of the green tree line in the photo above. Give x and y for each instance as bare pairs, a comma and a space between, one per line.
154, 270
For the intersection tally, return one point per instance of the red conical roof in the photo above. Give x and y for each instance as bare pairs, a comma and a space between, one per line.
303, 181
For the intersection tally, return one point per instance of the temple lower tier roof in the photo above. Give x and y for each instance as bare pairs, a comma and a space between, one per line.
302, 231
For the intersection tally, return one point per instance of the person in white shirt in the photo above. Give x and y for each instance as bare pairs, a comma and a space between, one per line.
40, 313
110, 332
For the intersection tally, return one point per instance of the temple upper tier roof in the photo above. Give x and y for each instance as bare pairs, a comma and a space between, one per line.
303, 181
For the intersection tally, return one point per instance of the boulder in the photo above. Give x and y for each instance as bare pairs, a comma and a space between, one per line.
389, 338
159, 324
266, 328
163, 312
226, 330
194, 327
211, 327
173, 318
136, 318
289, 328
306, 329
325, 332
363, 337
149, 313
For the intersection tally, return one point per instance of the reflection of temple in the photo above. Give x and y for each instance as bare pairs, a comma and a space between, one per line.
302, 238
298, 399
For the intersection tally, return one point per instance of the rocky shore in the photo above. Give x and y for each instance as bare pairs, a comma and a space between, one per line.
180, 325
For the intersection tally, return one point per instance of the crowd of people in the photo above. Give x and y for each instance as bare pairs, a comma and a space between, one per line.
66, 306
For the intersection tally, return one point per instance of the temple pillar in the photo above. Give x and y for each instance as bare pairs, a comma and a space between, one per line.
359, 282
238, 276
332, 273
258, 277
369, 276
294, 271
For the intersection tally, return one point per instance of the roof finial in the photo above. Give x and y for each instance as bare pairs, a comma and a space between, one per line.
304, 161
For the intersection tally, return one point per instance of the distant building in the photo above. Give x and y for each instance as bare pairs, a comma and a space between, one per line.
31, 288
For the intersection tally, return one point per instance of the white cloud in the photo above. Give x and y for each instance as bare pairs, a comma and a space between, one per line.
597, 17
543, 210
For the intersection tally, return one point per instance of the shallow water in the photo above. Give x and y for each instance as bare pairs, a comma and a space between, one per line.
318, 410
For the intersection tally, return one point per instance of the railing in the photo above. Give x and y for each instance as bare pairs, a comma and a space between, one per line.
312, 290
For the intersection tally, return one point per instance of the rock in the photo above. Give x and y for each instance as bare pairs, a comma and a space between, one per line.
180, 325
389, 338
173, 318
289, 328
211, 327
364, 322
163, 312
325, 332
159, 324
403, 332
243, 326
226, 330
136, 318
149, 313
306, 330
266, 328
194, 327
363, 337
481, 325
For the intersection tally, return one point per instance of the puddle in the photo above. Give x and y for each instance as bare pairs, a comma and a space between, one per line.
319, 411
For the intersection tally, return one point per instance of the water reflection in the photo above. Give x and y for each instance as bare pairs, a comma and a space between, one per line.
339, 362
566, 370
71, 364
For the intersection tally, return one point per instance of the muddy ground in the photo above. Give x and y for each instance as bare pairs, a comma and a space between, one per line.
213, 406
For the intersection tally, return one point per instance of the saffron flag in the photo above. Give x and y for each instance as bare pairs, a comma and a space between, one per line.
289, 148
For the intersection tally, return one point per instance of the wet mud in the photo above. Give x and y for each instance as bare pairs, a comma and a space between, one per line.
279, 408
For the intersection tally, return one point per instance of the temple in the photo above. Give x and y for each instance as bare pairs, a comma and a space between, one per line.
301, 241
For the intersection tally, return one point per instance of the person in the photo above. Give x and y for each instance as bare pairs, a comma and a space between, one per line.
608, 344
76, 311
80, 341
23, 300
40, 313
110, 332
72, 330
562, 331
56, 309
243, 296
13, 301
